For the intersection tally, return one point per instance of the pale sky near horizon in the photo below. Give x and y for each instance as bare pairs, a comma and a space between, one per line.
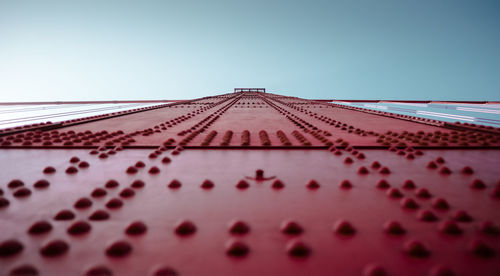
337, 49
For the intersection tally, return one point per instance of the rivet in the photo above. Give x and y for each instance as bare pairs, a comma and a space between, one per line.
374, 270
83, 203
131, 170
175, 184
361, 155
137, 184
238, 227
98, 192
383, 184
140, 164
99, 270
467, 170
385, 170
409, 184
136, 228
79, 228
313, 184
416, 249
237, 249
410, 156
16, 183
423, 193
83, 164
450, 227
114, 203
489, 228
207, 184
10, 248
49, 170
64, 215
441, 270
394, 228
496, 192
298, 249
71, 170
112, 184
477, 184
348, 160
409, 203
440, 160
165, 271
277, 184
375, 165
22, 192
119, 249
426, 215
99, 215
431, 165
344, 228
6, 143
185, 228
154, 170
166, 160
481, 249
445, 170
242, 184
54, 248
127, 192
291, 228
24, 270
103, 155
462, 216
394, 193
40, 227
74, 159
440, 203
345, 184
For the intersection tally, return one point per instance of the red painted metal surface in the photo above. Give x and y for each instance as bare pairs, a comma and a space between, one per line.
250, 184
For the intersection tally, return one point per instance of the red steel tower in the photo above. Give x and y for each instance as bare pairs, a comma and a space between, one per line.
250, 183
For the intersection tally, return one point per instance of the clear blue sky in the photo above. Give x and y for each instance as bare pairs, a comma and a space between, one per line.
343, 49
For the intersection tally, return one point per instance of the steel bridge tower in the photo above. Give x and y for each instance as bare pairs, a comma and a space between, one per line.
250, 183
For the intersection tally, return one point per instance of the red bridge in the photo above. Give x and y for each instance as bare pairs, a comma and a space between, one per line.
250, 183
